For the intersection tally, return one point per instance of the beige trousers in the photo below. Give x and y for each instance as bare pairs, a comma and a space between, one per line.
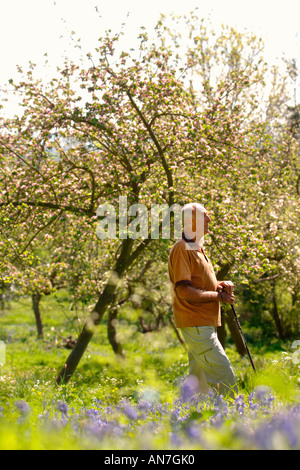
208, 361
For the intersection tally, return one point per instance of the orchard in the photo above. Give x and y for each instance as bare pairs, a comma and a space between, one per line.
169, 123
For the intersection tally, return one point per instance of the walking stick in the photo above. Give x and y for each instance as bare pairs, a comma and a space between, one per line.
243, 337
241, 333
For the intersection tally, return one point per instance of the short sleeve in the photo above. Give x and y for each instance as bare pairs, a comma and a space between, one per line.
179, 265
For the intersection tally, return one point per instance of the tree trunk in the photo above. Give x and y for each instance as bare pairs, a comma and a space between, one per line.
235, 333
86, 334
275, 314
2, 302
181, 340
112, 333
221, 330
37, 313
125, 259
228, 317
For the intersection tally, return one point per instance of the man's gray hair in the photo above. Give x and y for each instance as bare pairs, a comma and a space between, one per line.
187, 211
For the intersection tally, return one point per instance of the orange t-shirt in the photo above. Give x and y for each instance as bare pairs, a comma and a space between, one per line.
194, 267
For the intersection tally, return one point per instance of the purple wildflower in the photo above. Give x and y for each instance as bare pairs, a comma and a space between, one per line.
189, 388
269, 400
279, 433
144, 405
93, 413
240, 404
193, 431
23, 407
221, 405
62, 407
129, 411
175, 439
252, 406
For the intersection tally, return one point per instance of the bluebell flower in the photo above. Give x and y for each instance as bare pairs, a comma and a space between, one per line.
289, 429
144, 405
240, 404
189, 388
221, 405
129, 411
279, 432
23, 407
269, 400
97, 401
93, 413
175, 415
175, 439
193, 431
62, 407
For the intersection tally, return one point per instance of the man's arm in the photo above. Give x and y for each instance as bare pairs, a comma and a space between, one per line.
198, 296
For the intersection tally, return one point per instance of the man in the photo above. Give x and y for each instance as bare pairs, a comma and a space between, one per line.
196, 303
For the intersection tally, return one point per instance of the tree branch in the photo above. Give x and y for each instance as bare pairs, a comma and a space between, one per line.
37, 232
158, 146
50, 205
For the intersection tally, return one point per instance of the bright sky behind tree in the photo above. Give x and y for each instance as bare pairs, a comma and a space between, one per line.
29, 29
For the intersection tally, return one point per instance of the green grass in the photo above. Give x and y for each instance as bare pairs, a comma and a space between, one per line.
154, 366
31, 363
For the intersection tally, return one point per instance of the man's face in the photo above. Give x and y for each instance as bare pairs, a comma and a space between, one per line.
206, 222
202, 219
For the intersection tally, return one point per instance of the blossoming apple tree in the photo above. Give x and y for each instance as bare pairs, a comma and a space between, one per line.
129, 124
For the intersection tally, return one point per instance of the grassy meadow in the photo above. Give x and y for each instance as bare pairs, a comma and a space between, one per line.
141, 402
